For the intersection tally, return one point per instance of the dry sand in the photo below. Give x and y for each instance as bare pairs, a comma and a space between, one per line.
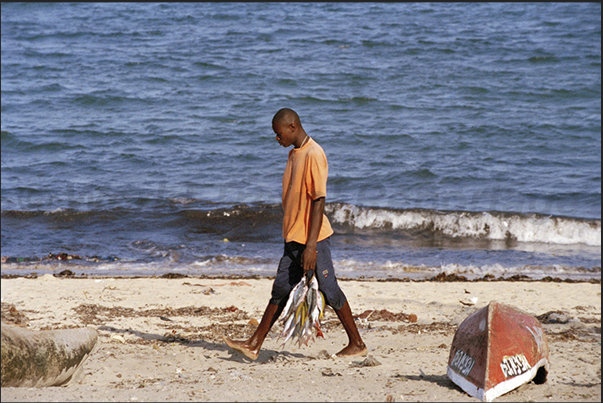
161, 339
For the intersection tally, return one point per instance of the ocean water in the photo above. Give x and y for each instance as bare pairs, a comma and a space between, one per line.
461, 138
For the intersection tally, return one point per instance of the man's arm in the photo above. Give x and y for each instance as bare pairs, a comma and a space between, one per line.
309, 255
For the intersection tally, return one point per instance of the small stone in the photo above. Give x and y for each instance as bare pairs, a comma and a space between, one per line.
329, 372
323, 355
370, 361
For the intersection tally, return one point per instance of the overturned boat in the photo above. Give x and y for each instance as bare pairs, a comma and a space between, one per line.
37, 358
497, 349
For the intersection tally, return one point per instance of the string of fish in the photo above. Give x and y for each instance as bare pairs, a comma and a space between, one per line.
303, 312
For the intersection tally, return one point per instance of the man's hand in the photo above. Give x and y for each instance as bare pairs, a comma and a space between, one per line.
308, 258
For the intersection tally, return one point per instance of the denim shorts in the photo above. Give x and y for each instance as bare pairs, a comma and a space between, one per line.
290, 272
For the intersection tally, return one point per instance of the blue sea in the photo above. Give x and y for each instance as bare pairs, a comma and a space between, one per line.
462, 138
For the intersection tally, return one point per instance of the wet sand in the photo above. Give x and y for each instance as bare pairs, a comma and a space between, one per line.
160, 339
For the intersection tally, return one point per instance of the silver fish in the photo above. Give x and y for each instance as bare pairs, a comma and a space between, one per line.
303, 312
293, 296
292, 308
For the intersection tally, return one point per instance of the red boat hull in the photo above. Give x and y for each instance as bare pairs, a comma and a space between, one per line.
497, 349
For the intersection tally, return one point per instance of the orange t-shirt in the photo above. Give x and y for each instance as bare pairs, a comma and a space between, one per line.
304, 180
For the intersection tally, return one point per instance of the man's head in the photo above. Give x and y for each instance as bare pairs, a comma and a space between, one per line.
288, 128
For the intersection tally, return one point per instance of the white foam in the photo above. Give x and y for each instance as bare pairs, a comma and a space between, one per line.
350, 268
495, 226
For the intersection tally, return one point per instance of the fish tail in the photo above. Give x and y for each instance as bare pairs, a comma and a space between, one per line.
318, 331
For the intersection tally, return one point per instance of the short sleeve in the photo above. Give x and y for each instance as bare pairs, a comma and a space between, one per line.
317, 172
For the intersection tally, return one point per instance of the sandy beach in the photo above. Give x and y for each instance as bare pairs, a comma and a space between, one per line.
160, 339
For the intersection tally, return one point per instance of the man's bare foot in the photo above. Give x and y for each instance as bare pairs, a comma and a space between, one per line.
353, 351
242, 348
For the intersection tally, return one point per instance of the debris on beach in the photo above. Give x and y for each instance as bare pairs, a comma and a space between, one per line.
279, 358
58, 256
303, 312
65, 273
11, 315
385, 315
369, 361
469, 301
553, 317
323, 355
329, 372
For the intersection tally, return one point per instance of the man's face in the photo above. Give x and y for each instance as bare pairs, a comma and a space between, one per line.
284, 133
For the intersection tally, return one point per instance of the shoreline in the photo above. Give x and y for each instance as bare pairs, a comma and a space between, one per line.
442, 277
160, 339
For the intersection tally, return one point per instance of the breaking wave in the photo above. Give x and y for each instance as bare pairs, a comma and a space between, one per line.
464, 224
262, 221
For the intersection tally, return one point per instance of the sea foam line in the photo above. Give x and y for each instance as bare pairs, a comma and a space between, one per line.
489, 225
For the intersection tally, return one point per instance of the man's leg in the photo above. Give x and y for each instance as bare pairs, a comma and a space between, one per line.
287, 275
325, 274
251, 347
356, 346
